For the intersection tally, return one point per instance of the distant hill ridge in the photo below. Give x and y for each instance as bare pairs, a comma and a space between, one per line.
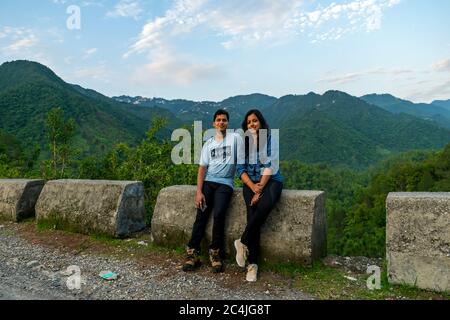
334, 128
436, 111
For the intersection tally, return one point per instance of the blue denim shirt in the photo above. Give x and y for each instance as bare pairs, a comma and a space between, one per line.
254, 170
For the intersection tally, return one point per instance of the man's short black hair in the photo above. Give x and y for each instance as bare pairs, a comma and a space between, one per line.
219, 112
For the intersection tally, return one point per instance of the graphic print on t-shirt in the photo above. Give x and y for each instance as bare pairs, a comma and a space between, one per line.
221, 153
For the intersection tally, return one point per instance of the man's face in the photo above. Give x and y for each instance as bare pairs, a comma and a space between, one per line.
221, 122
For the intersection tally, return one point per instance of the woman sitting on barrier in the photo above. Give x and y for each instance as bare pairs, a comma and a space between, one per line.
262, 187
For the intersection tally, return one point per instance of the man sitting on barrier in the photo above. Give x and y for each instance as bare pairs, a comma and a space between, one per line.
214, 191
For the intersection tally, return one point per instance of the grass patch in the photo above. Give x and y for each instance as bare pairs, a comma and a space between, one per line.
29, 220
106, 239
45, 226
57, 224
5, 219
134, 245
325, 282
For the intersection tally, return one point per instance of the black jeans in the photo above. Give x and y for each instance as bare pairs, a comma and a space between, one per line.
257, 215
217, 196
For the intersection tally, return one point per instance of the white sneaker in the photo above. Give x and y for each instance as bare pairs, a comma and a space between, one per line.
241, 253
252, 272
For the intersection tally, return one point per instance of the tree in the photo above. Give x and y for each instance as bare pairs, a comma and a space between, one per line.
149, 162
60, 134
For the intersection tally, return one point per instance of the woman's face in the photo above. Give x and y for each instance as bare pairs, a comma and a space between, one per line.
253, 123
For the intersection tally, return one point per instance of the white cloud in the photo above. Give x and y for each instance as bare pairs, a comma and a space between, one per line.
240, 23
69, 60
428, 94
356, 76
335, 20
57, 34
392, 3
22, 44
349, 77
88, 3
89, 52
442, 66
126, 9
419, 85
168, 68
99, 73
85, 3
237, 21
19, 40
179, 19
250, 22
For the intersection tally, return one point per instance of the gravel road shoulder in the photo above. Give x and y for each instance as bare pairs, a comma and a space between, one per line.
34, 265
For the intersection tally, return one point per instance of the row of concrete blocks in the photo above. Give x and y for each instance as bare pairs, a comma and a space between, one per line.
114, 208
417, 230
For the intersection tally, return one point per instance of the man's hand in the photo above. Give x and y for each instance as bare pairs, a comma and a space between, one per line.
199, 199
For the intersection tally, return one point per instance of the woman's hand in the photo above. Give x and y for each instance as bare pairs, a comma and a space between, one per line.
261, 186
256, 188
199, 199
255, 199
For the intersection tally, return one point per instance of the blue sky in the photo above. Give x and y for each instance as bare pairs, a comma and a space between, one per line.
211, 49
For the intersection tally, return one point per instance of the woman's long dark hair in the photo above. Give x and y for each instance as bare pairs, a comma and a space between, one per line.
263, 123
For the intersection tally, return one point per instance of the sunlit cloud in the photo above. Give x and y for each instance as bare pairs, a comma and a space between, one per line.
357, 76
89, 53
438, 91
100, 73
18, 40
237, 23
126, 9
168, 68
442, 66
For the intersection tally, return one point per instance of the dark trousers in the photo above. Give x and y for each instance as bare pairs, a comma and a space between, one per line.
257, 215
217, 196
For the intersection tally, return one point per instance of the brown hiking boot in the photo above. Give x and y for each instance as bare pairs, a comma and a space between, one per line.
192, 260
216, 260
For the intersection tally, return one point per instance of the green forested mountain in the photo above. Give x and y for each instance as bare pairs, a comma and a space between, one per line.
336, 128
190, 111
435, 111
365, 221
9, 146
356, 201
12, 156
29, 90
442, 103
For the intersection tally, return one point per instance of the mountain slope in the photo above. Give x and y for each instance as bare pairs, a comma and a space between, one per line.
442, 103
434, 111
29, 90
336, 128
